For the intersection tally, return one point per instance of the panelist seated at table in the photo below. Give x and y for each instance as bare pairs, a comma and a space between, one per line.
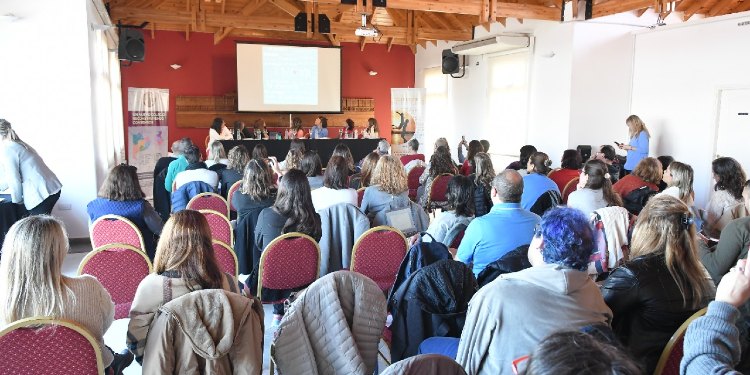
319, 129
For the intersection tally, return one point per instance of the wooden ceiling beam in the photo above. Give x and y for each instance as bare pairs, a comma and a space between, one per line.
613, 7
249, 8
290, 7
692, 10
722, 7
741, 7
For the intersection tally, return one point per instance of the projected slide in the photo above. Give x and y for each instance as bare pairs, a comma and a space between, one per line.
290, 75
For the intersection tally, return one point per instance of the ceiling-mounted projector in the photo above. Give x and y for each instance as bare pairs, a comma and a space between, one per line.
366, 31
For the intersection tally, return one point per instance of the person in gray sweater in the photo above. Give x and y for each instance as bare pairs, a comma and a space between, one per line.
712, 342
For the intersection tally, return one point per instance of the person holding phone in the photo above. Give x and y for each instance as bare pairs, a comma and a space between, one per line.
637, 148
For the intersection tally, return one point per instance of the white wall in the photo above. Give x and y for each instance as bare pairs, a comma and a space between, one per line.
46, 94
678, 72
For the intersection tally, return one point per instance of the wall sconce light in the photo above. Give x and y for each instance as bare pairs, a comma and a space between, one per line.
176, 66
373, 73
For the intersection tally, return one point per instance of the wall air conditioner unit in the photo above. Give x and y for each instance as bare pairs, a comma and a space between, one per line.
492, 44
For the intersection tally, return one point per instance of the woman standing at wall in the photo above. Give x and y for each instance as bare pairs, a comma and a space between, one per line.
637, 148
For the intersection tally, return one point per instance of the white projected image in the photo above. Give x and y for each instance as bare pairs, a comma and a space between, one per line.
290, 75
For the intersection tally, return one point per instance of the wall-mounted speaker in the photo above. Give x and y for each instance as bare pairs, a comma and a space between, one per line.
585, 151
300, 22
324, 24
450, 62
131, 46
589, 9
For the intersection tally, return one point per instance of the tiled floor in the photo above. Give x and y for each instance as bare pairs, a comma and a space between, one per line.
115, 336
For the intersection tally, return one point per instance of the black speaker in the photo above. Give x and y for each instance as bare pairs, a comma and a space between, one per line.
300, 22
324, 24
589, 9
450, 62
585, 151
131, 46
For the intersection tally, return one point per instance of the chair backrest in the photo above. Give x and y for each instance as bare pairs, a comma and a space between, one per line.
209, 201
439, 188
669, 361
226, 258
110, 229
221, 228
570, 187
291, 261
360, 195
233, 189
120, 269
378, 253
42, 345
413, 181
455, 235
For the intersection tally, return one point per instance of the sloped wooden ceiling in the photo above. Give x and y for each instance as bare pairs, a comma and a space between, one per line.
401, 22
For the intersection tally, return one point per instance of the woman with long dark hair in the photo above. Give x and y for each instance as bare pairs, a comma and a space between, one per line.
348, 131
344, 151
460, 210
292, 212
474, 148
312, 167
363, 178
594, 189
218, 131
570, 168
184, 263
121, 194
371, 132
440, 163
536, 182
662, 284
725, 203
335, 188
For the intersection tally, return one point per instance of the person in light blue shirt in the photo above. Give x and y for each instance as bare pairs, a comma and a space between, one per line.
320, 129
637, 148
536, 182
504, 228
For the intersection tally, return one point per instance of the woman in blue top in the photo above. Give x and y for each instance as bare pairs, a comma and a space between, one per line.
638, 147
536, 182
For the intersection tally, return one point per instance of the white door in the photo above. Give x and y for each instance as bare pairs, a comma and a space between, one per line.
733, 131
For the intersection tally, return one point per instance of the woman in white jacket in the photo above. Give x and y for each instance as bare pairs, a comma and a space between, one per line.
218, 131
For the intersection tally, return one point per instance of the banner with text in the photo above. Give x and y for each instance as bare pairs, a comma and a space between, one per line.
407, 117
147, 131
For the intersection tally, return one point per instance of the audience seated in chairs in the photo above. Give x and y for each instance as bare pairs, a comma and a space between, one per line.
32, 284
312, 167
293, 211
335, 188
663, 283
413, 155
206, 331
184, 263
196, 170
570, 168
482, 178
504, 228
440, 163
161, 195
363, 178
608, 156
256, 194
473, 148
513, 261
218, 160
238, 158
505, 320
594, 189
537, 186
640, 185
388, 191
351, 307
178, 165
725, 203
460, 209
521, 164
121, 195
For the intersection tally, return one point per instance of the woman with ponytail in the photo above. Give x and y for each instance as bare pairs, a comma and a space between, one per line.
662, 285
594, 189
536, 182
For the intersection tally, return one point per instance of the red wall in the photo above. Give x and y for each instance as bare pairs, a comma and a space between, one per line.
209, 69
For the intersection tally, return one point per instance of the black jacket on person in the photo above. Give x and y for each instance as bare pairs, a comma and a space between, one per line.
162, 199
227, 178
647, 306
248, 210
432, 302
513, 261
421, 254
482, 200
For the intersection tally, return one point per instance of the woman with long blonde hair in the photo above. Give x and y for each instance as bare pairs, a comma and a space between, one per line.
389, 189
482, 179
679, 179
32, 284
662, 284
637, 147
184, 263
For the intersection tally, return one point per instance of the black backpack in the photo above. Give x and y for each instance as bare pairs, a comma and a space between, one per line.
637, 199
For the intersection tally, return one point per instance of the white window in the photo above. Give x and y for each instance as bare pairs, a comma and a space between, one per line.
508, 90
436, 107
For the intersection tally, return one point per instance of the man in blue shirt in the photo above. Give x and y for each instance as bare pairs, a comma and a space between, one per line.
503, 229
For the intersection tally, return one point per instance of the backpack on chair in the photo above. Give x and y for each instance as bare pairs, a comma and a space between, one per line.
421, 254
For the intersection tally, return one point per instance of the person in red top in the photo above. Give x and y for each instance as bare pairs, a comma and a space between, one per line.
570, 168
413, 152
473, 149
647, 173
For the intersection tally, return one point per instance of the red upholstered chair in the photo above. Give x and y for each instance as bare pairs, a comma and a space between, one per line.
570, 187
291, 261
44, 345
438, 190
221, 228
226, 258
119, 268
110, 229
209, 201
669, 361
378, 253
413, 181
360, 195
233, 189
